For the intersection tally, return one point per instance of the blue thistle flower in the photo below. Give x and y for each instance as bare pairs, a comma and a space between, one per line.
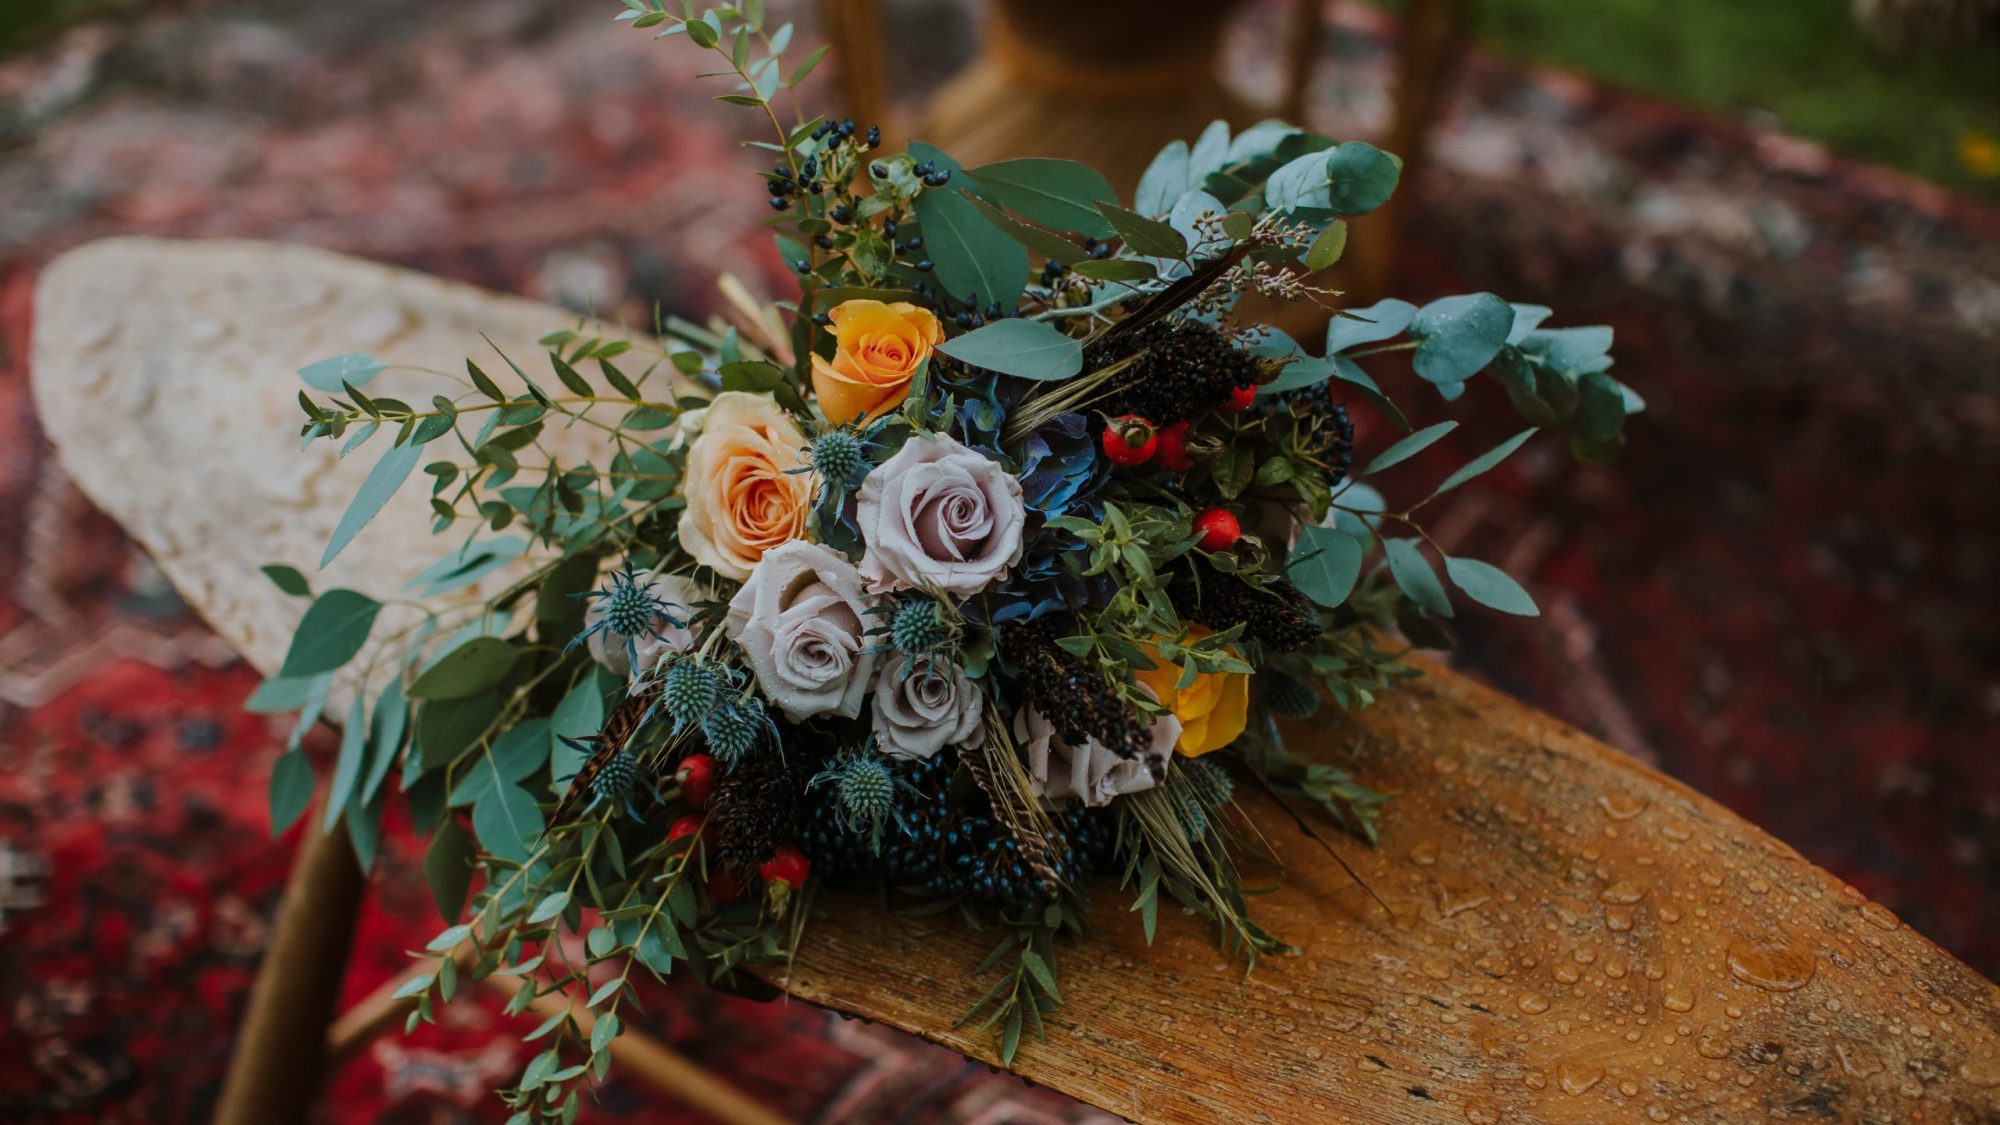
865, 791
735, 726
691, 690
630, 611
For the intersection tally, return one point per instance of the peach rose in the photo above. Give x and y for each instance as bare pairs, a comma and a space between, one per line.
742, 498
878, 348
1213, 710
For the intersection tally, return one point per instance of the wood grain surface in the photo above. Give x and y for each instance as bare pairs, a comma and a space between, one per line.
1570, 936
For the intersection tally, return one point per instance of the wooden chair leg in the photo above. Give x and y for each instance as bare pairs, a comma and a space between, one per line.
280, 1052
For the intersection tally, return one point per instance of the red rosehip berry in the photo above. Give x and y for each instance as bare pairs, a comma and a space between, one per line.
1173, 454
788, 866
1240, 399
724, 886
697, 777
1219, 530
689, 825
1130, 440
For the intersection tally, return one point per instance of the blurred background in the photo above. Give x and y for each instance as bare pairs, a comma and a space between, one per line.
1784, 595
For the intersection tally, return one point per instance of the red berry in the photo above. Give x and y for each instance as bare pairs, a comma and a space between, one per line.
724, 886
688, 825
1130, 440
1219, 530
1240, 399
697, 775
1173, 454
788, 866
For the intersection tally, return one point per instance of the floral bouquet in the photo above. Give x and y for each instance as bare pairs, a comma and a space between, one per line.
982, 581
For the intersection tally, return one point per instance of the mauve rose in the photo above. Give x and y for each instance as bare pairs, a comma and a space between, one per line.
1095, 774
611, 650
922, 705
939, 516
801, 622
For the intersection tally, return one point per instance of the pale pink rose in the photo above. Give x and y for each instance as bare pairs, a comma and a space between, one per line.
922, 706
939, 516
801, 622
1095, 774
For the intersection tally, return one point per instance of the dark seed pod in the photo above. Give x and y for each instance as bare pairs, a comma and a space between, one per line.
1074, 697
1188, 368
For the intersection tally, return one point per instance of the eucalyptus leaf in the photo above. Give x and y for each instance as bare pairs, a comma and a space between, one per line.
336, 374
1383, 320
968, 254
1165, 180
288, 579
475, 666
1490, 586
345, 783
448, 868
1485, 461
291, 790
1325, 564
332, 631
1408, 447
1456, 336
507, 822
1026, 349
1058, 193
381, 483
1414, 576
1149, 237
1360, 178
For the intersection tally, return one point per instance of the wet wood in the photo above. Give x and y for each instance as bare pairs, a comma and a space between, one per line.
1570, 936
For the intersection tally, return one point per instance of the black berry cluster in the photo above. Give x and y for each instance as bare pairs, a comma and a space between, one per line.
1327, 432
758, 805
1188, 369
1277, 615
941, 846
1075, 698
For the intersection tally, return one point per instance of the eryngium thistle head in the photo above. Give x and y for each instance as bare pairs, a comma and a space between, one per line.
865, 788
733, 728
692, 689
839, 458
1287, 697
918, 627
614, 779
1209, 784
630, 609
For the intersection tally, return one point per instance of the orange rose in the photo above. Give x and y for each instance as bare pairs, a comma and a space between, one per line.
742, 498
877, 350
1213, 710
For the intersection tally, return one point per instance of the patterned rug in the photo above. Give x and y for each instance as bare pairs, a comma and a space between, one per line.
1786, 595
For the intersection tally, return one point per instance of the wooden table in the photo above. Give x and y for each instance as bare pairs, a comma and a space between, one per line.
1570, 936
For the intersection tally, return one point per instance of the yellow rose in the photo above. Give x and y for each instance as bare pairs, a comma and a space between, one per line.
742, 498
878, 348
1212, 710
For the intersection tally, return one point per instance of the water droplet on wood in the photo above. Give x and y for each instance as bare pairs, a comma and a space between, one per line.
1783, 967
1577, 1078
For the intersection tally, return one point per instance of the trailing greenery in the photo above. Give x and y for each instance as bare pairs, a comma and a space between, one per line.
962, 578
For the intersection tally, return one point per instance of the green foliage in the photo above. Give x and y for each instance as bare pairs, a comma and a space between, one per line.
332, 631
971, 257
1028, 349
